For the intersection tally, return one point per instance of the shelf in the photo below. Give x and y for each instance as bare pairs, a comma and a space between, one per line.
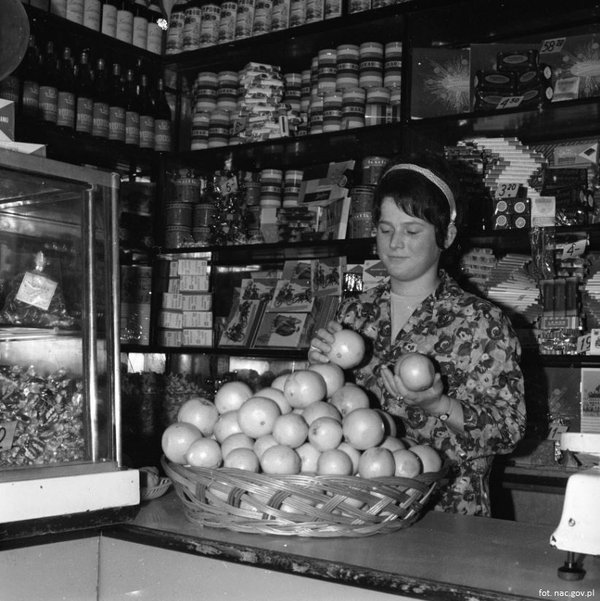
243, 254
104, 154
258, 353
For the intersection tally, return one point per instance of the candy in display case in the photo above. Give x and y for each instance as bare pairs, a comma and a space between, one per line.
60, 424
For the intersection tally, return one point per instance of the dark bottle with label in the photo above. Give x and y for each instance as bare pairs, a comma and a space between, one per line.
100, 107
147, 114
65, 117
132, 110
30, 80
162, 120
48, 101
140, 24
84, 87
116, 112
108, 24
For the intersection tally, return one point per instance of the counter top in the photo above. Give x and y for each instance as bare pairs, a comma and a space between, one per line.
442, 556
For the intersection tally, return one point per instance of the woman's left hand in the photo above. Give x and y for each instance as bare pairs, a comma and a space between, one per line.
428, 399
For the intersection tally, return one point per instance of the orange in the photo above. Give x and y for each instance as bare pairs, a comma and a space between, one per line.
199, 412
325, 433
376, 462
363, 428
280, 460
279, 381
332, 374
263, 443
226, 425
257, 416
430, 458
204, 452
347, 349
309, 455
353, 453
304, 387
177, 439
231, 395
415, 370
392, 443
334, 462
348, 398
320, 409
391, 428
236, 441
290, 429
408, 465
242, 459
278, 396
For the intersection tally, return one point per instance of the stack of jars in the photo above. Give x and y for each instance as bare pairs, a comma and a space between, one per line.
180, 208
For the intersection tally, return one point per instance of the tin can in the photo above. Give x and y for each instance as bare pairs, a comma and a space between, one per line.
227, 22
372, 169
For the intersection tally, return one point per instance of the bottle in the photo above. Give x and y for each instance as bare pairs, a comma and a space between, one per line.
156, 25
92, 14
174, 43
75, 11
65, 116
140, 24
162, 120
59, 8
125, 21
116, 107
132, 110
100, 107
147, 114
30, 79
84, 88
48, 101
108, 25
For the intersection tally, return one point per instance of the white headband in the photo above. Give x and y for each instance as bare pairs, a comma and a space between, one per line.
434, 179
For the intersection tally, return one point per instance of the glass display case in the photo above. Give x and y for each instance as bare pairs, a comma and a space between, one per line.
60, 439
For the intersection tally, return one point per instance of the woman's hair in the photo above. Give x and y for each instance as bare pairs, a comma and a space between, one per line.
419, 195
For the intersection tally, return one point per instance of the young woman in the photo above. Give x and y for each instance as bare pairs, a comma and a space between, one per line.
475, 407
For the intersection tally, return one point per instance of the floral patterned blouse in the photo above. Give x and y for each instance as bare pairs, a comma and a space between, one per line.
477, 353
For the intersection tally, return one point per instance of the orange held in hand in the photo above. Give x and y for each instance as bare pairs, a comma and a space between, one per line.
415, 370
347, 349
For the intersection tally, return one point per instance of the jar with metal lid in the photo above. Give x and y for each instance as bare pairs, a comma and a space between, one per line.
372, 168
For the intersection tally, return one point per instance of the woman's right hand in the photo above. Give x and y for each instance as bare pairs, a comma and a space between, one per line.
321, 343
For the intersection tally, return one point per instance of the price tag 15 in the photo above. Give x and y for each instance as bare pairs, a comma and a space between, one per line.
509, 102
7, 433
507, 190
552, 46
573, 249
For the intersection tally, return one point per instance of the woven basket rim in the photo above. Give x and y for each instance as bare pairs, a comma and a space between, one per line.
303, 504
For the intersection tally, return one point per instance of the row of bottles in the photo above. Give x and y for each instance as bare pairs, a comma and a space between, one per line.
141, 23
91, 97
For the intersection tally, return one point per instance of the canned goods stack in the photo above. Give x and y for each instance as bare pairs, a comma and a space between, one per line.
244, 20
209, 25
179, 210
353, 108
271, 181
293, 91
218, 128
370, 67
292, 181
227, 90
361, 211
326, 70
227, 19
332, 111
263, 13
280, 18
376, 108
347, 65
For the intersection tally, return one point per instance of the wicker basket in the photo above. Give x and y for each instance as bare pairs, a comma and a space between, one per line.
302, 505
147, 493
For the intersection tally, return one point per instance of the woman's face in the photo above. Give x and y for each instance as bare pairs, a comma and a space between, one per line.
406, 245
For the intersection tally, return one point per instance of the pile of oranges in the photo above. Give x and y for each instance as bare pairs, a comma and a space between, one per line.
310, 421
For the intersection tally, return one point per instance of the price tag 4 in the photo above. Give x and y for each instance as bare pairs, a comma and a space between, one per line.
552, 45
509, 102
574, 249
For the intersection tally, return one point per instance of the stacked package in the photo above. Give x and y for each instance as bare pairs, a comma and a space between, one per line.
262, 113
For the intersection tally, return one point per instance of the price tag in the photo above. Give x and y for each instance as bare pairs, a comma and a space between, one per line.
509, 102
552, 46
36, 290
7, 433
556, 430
229, 185
573, 249
507, 190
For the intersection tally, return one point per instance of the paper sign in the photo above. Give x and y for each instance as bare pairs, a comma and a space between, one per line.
509, 102
36, 290
552, 45
7, 433
507, 190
